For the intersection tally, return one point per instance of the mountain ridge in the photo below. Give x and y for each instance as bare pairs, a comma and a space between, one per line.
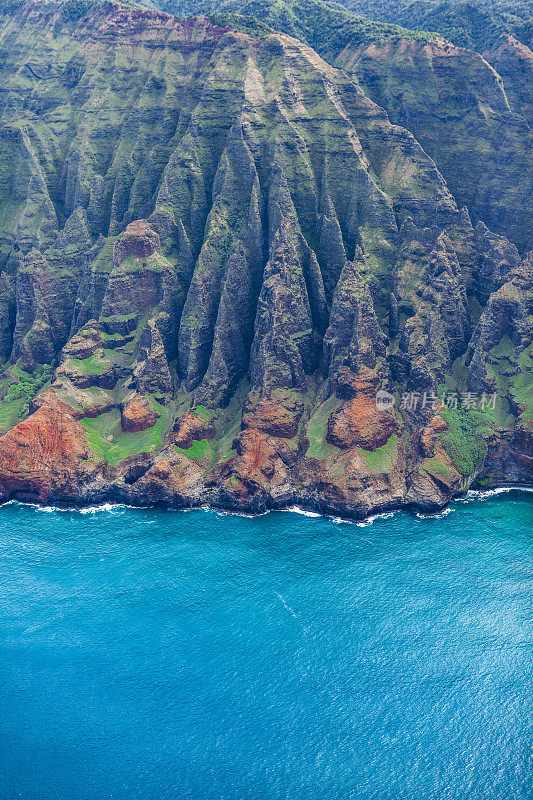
217, 251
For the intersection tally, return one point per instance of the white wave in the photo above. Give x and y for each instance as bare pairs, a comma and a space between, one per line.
45, 509
435, 515
19, 503
107, 507
363, 523
112, 508
221, 512
37, 507
483, 494
303, 511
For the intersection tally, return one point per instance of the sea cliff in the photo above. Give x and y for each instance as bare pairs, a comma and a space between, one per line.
229, 276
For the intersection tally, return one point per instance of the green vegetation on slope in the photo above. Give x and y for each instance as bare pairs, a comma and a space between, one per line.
108, 441
465, 441
316, 431
322, 25
17, 388
475, 24
199, 450
384, 458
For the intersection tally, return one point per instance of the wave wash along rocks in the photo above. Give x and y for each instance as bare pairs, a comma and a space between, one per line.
216, 251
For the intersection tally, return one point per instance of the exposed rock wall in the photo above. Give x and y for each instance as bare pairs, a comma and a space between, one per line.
222, 267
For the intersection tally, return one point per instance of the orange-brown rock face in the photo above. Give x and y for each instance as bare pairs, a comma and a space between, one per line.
138, 415
257, 466
274, 417
431, 434
449, 478
45, 455
171, 478
192, 427
359, 423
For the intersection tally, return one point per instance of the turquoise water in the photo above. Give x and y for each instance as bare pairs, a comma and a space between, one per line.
151, 654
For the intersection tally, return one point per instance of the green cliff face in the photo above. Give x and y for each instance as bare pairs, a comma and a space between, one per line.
456, 105
475, 24
474, 122
217, 250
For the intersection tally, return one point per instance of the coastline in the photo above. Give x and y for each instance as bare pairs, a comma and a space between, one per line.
90, 506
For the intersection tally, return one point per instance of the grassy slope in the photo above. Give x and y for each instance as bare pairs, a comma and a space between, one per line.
107, 440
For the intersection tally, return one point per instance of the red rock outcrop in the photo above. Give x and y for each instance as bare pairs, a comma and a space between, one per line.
256, 468
191, 427
431, 434
46, 455
138, 415
359, 422
276, 417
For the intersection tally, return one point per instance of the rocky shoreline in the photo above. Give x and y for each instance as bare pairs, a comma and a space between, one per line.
98, 503
47, 459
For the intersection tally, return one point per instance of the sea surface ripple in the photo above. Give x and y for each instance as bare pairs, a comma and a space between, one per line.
150, 654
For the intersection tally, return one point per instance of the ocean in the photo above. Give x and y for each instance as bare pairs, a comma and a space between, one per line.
151, 654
